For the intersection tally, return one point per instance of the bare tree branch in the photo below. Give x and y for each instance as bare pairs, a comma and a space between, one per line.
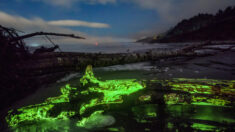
52, 42
45, 33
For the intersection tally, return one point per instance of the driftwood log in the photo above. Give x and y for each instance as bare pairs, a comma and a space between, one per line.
57, 62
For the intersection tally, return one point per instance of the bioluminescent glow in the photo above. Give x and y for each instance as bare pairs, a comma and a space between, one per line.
96, 120
203, 127
145, 98
40, 112
111, 91
91, 103
203, 86
144, 113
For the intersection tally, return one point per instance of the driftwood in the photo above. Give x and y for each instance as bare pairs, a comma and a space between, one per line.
49, 63
45, 33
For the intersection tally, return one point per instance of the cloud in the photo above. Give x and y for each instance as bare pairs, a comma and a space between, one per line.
38, 24
69, 3
78, 23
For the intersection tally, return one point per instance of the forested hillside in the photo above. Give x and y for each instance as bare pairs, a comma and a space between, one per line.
201, 27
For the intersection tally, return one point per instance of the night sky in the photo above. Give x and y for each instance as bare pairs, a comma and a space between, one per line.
103, 20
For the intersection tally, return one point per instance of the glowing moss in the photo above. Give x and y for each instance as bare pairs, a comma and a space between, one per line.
95, 92
65, 115
203, 127
142, 121
65, 91
170, 125
152, 114
89, 76
192, 88
145, 98
210, 101
112, 90
96, 120
147, 129
39, 112
113, 129
92, 103
91, 118
203, 86
200, 91
29, 114
173, 98
85, 92
144, 112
